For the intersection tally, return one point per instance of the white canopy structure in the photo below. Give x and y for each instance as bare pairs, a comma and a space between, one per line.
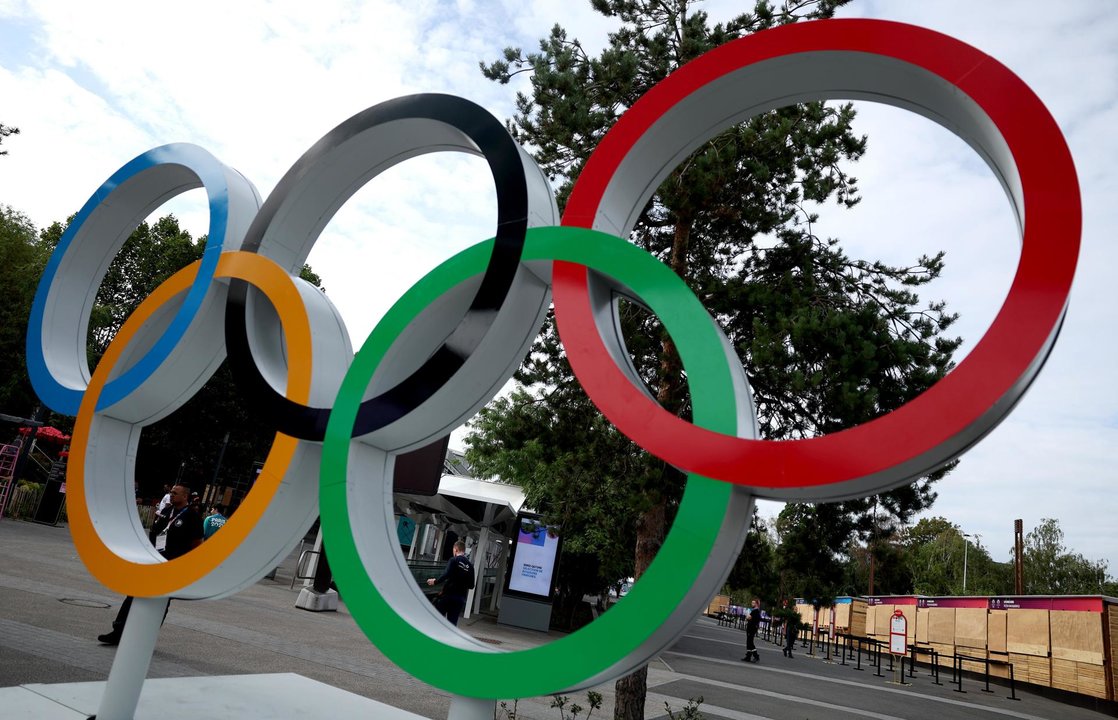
470, 508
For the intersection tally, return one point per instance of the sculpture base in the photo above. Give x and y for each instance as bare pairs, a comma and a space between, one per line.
281, 696
311, 599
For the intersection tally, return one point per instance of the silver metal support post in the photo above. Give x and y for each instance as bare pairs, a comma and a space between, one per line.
466, 708
133, 657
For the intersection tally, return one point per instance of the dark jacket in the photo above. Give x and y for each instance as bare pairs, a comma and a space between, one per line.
183, 533
458, 575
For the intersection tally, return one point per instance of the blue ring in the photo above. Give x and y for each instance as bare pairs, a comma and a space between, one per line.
211, 173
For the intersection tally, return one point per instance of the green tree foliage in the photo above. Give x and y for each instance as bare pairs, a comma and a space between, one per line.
187, 444
23, 255
5, 131
936, 554
828, 341
150, 255
1053, 569
754, 574
592, 507
809, 554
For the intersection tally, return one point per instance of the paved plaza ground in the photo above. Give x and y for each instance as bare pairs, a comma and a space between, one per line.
51, 611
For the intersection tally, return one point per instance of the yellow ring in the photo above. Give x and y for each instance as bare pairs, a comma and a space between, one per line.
165, 578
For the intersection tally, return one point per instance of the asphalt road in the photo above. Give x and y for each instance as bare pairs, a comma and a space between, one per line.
706, 663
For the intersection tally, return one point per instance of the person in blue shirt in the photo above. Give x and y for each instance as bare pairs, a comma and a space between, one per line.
213, 521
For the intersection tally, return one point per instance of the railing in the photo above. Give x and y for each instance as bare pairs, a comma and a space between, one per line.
41, 458
147, 515
422, 570
851, 647
22, 501
957, 672
305, 566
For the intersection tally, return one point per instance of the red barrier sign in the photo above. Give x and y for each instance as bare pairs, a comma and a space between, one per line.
898, 633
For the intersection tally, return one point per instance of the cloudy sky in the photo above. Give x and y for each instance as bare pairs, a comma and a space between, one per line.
92, 85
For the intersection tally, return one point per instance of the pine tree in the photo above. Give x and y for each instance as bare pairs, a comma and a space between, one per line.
828, 341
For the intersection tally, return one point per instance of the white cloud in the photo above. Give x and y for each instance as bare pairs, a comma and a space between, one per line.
257, 83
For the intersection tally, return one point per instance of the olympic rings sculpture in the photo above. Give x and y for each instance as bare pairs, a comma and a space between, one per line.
447, 346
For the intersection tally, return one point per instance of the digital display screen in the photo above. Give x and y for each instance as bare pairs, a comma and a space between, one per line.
534, 555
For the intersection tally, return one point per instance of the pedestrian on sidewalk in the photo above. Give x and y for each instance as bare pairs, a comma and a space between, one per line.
176, 534
459, 579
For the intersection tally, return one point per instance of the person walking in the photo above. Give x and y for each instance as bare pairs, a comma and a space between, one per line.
752, 622
791, 629
459, 579
176, 534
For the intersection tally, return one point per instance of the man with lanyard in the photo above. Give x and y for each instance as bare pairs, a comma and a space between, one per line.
752, 622
459, 577
175, 535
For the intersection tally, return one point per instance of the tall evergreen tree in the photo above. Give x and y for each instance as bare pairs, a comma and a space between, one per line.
828, 341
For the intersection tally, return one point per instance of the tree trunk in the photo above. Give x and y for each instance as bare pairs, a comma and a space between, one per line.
629, 704
631, 689
652, 523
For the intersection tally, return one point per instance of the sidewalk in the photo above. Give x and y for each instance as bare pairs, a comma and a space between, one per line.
52, 612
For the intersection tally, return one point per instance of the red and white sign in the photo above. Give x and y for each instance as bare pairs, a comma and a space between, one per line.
898, 633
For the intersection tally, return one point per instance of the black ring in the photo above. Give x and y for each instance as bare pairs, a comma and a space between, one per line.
503, 156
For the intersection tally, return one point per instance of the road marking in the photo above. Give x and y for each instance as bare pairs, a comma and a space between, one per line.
837, 681
739, 643
787, 698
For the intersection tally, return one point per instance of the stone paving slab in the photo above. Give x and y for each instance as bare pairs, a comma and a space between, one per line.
277, 697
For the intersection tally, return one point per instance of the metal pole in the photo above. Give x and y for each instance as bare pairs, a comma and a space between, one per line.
466, 708
133, 657
1018, 552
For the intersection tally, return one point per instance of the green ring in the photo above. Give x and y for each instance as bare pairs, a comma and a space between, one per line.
619, 633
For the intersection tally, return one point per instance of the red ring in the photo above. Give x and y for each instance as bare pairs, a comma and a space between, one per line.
983, 386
